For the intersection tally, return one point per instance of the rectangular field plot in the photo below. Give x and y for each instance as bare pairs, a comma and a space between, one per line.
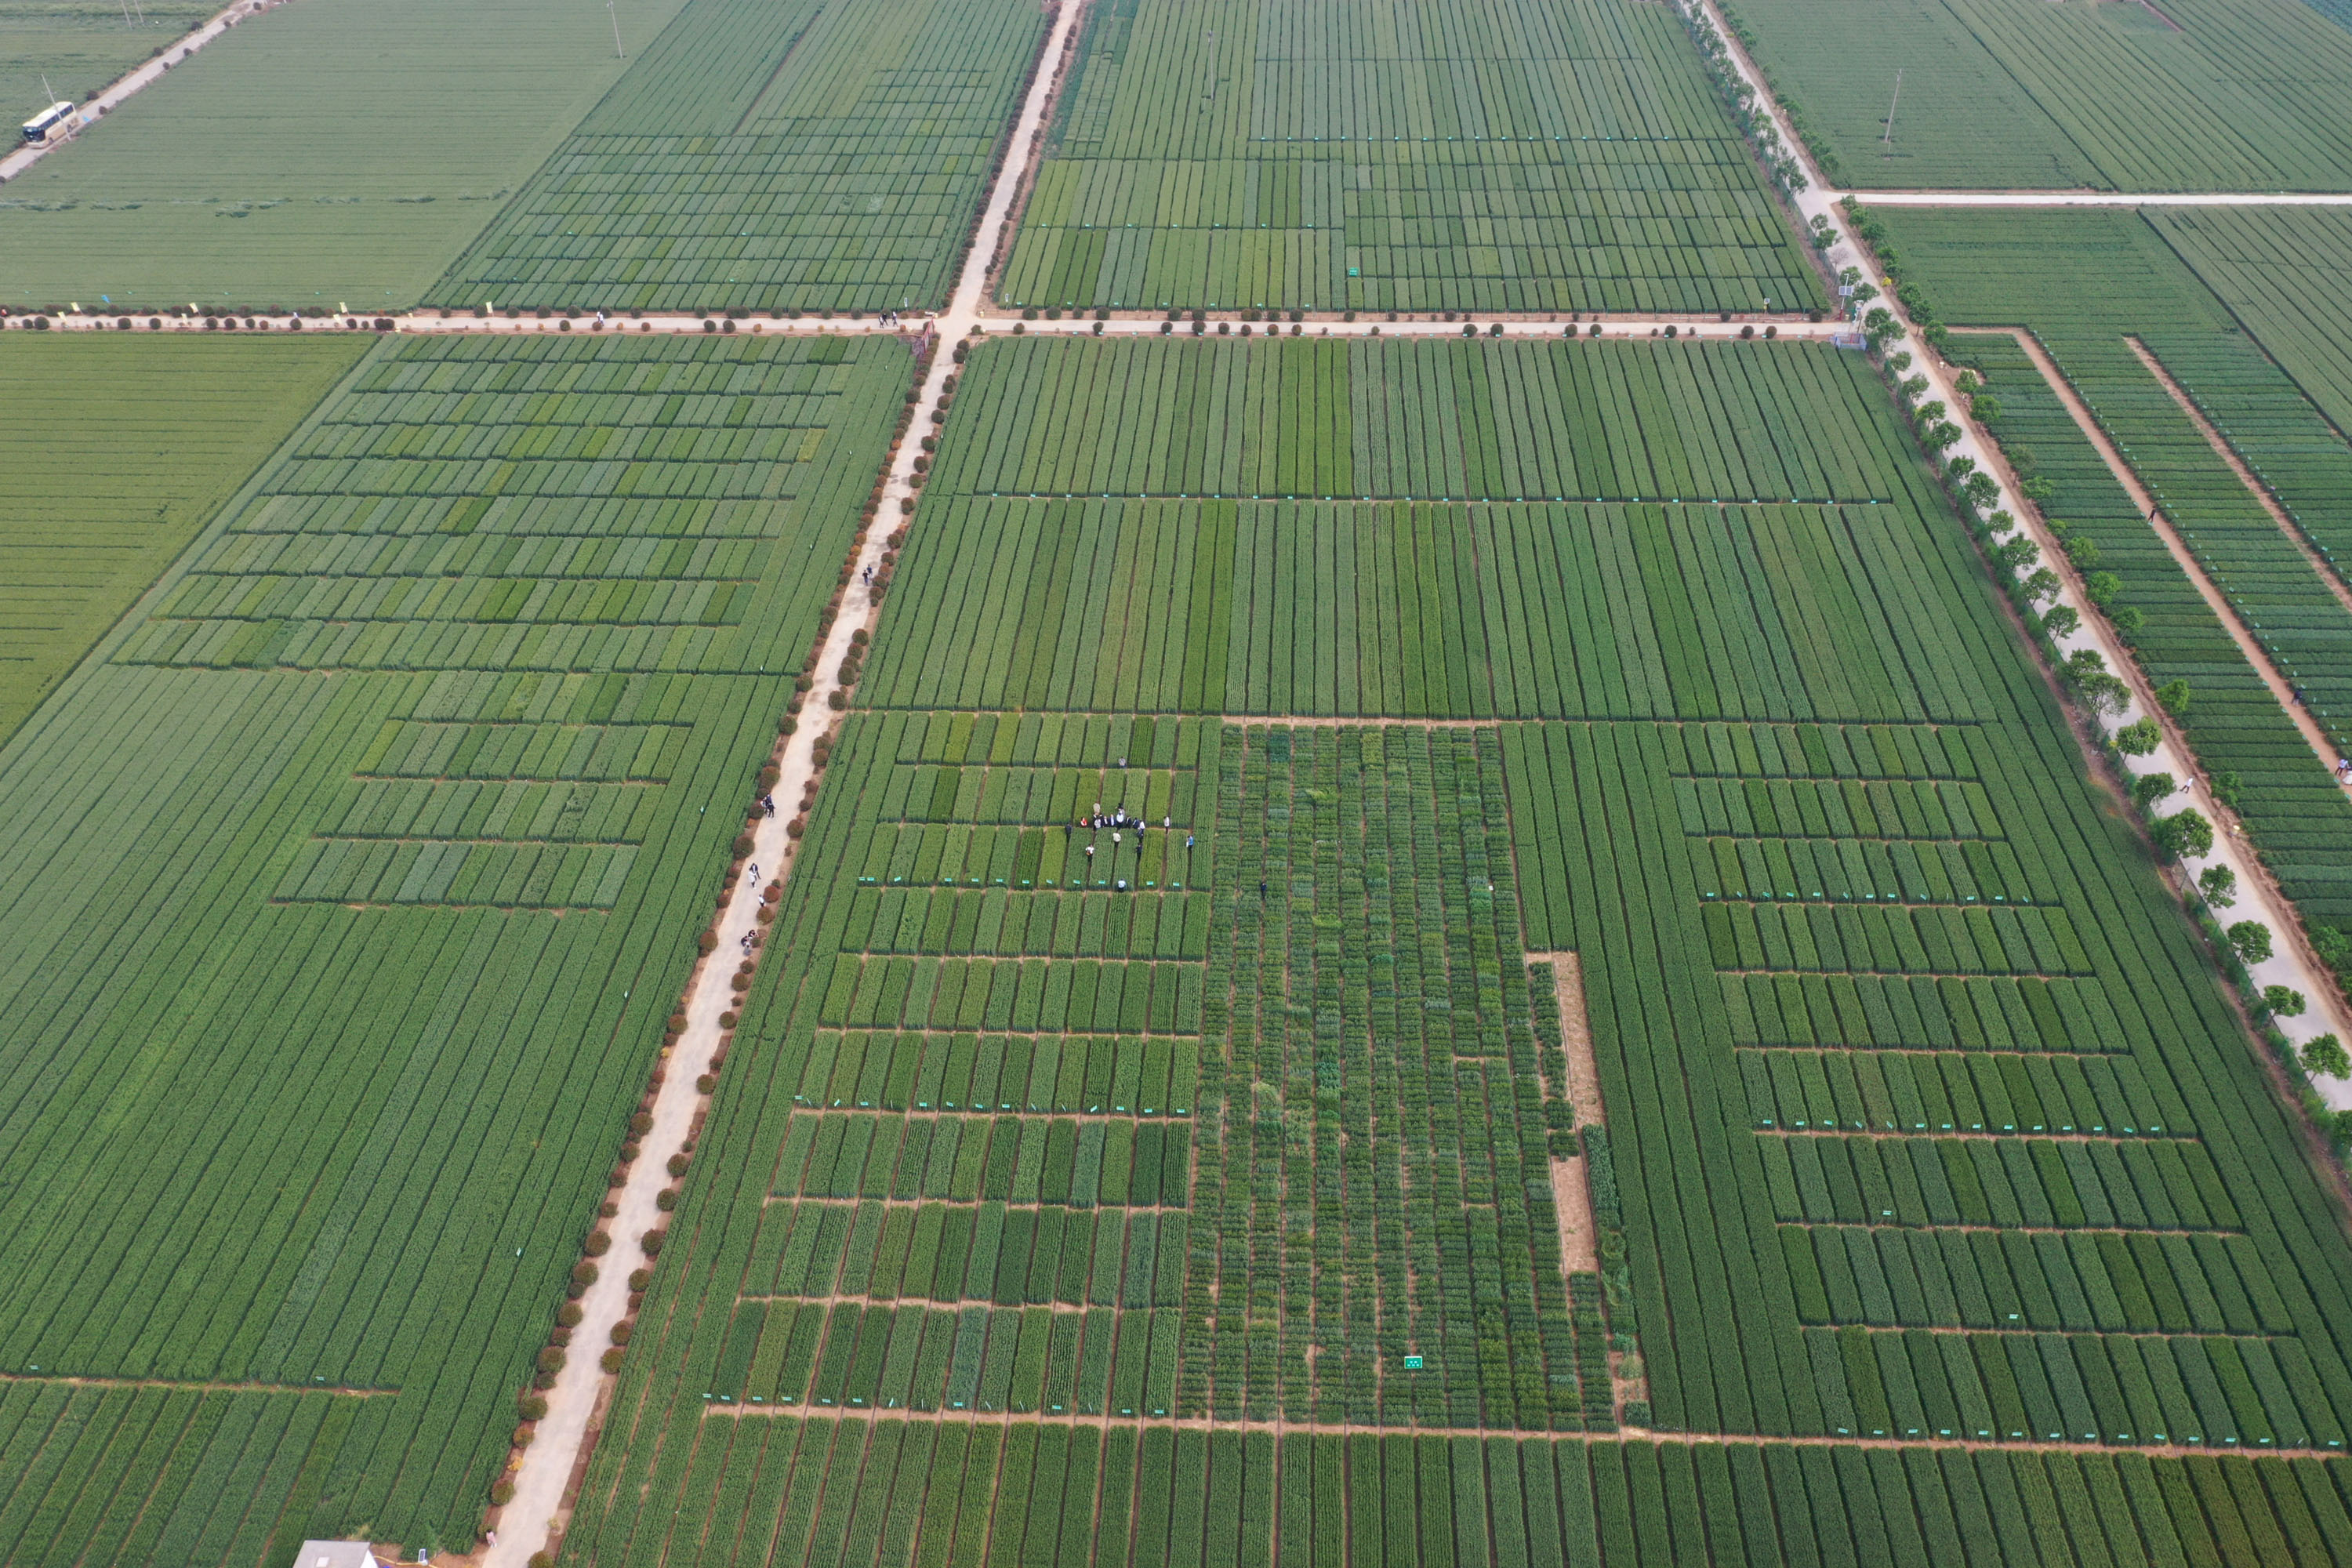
93, 510
1506, 156
1914, 1126
2207, 95
785, 158
316, 158
341, 949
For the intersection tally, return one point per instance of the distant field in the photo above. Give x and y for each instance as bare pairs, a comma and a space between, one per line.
1498, 155
328, 152
113, 453
2282, 271
2173, 95
800, 156
80, 46
332, 888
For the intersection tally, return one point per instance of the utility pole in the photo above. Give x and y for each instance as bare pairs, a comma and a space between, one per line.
1886, 142
616, 30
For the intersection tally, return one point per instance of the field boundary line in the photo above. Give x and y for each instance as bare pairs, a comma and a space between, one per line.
200, 1385
1624, 1434
147, 73
2238, 466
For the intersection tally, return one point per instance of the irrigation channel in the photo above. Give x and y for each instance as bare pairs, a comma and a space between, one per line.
534, 1519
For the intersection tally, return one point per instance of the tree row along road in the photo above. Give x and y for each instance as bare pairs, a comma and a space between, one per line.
534, 1516
2292, 962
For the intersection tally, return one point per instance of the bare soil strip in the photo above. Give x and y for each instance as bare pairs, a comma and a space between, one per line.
1571, 1200
199, 1386
2260, 492
1363, 1429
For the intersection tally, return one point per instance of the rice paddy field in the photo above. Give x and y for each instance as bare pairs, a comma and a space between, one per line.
2202, 95
1057, 1182
114, 454
797, 157
1488, 156
350, 885
2130, 287
323, 154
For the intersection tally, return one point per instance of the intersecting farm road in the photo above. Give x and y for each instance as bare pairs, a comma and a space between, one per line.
533, 1517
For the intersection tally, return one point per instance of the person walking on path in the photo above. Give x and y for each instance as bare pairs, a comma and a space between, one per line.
1188, 841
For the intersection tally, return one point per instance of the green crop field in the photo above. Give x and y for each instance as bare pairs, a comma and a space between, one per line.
1983, 268
2197, 95
796, 157
1048, 1193
2202, 95
1492, 156
334, 153
113, 455
79, 45
349, 889
2281, 271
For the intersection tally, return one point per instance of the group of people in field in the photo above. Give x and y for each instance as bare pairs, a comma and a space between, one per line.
1118, 824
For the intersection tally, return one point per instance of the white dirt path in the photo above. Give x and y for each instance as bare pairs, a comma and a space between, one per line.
2291, 963
145, 75
2086, 198
529, 1520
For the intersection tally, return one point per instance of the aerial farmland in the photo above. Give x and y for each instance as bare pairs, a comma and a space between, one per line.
1217, 786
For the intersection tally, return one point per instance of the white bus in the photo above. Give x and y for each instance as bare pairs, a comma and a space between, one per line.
53, 123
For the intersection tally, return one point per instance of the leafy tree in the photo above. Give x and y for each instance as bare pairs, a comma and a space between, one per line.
2104, 694
2324, 1056
2061, 621
1900, 362
2037, 489
2101, 586
1986, 407
2017, 553
2226, 784
2251, 940
2127, 619
2042, 585
2185, 834
2283, 999
2173, 697
2138, 738
2219, 886
1981, 490
2085, 662
1928, 413
2150, 788
2001, 523
2082, 553
1967, 383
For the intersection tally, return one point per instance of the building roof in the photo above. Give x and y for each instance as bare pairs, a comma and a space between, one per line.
335, 1554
